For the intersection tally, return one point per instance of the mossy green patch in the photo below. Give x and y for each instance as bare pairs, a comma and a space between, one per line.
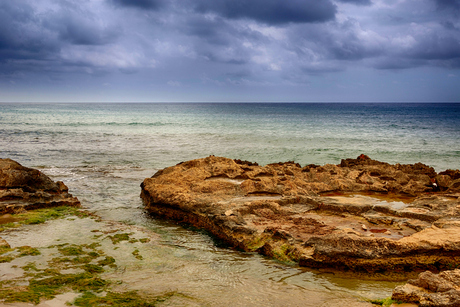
30, 267
4, 259
46, 283
126, 299
81, 260
78, 282
286, 254
17, 295
75, 268
117, 238
49, 287
72, 250
5, 249
39, 216
35, 220
386, 302
256, 243
106, 261
93, 254
93, 245
20, 251
93, 268
27, 251
137, 255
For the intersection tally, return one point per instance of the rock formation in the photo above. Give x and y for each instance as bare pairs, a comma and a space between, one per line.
362, 215
431, 290
23, 188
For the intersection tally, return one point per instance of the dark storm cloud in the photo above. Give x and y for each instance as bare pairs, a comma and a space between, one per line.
223, 42
217, 40
21, 35
33, 37
438, 48
25, 45
216, 32
80, 29
142, 4
271, 11
448, 4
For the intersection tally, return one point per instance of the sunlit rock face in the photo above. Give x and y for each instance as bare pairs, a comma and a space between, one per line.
23, 188
362, 215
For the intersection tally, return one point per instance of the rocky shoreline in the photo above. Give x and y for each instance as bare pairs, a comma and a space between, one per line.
361, 215
54, 253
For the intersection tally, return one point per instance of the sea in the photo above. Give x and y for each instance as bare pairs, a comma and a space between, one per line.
102, 152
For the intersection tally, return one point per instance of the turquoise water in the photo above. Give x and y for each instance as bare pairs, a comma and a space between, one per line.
104, 151
160, 135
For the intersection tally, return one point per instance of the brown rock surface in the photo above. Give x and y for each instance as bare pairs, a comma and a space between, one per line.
23, 188
429, 289
362, 215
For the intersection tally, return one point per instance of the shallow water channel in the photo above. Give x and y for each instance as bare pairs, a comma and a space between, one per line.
185, 261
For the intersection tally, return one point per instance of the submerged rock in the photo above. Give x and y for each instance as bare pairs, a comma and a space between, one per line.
23, 188
429, 289
362, 215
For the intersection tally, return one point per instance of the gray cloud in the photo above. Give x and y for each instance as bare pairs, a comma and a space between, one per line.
448, 4
76, 29
357, 2
142, 4
223, 42
271, 11
23, 38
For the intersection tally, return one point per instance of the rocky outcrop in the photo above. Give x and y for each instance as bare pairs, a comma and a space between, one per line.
431, 290
23, 188
362, 215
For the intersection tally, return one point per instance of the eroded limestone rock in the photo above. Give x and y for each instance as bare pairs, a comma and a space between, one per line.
23, 188
431, 290
362, 215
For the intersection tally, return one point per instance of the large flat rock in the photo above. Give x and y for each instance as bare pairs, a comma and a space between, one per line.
362, 215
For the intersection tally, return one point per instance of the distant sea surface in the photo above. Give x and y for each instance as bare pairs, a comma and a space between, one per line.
161, 135
104, 151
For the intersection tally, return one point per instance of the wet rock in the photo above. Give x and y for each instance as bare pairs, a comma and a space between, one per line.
362, 215
23, 188
429, 289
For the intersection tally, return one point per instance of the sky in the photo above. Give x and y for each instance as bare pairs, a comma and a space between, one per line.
229, 50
